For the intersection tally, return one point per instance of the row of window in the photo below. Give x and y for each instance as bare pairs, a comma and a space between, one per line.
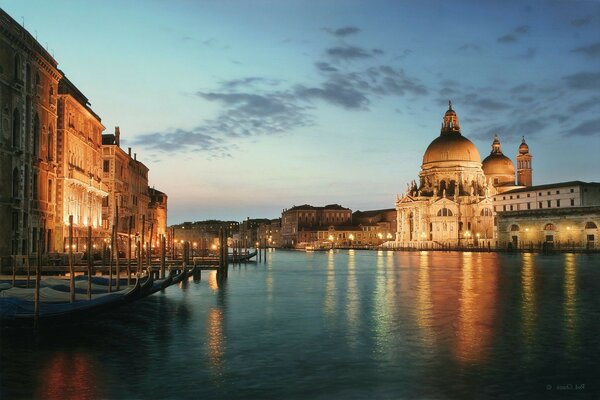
517, 207
540, 194
552, 227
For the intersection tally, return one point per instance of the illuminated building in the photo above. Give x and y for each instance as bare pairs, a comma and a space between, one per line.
157, 214
79, 189
300, 223
452, 202
126, 181
563, 214
28, 88
271, 231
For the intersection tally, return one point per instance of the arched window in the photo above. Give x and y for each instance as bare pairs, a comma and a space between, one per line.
28, 80
486, 212
442, 187
16, 133
549, 227
15, 183
444, 212
51, 94
590, 225
514, 228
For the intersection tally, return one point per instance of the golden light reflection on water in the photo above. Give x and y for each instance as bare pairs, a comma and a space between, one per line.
215, 340
213, 284
424, 311
329, 305
528, 301
570, 302
477, 308
69, 376
353, 299
382, 310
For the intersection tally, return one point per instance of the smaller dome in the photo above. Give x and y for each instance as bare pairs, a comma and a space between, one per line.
498, 164
523, 148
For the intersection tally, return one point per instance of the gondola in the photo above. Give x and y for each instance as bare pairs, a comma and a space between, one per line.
16, 311
160, 284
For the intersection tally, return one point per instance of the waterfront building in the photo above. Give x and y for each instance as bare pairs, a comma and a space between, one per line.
451, 204
201, 235
563, 214
126, 181
79, 187
248, 230
271, 231
355, 236
299, 224
28, 95
157, 215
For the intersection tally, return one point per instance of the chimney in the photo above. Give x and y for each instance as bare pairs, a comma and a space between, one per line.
135, 156
117, 136
129, 151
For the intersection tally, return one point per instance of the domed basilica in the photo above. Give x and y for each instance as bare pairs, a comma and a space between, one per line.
451, 204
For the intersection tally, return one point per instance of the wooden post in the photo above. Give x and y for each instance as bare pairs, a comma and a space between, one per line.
162, 256
90, 262
129, 250
38, 272
149, 247
112, 252
142, 240
138, 254
117, 266
71, 269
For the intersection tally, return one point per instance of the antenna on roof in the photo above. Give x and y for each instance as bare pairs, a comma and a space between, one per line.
23, 19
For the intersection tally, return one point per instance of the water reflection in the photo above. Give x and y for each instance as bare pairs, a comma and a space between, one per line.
570, 302
69, 376
213, 283
352, 300
424, 309
215, 341
477, 310
528, 302
329, 304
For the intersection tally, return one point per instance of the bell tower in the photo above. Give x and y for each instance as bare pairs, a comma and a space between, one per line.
524, 171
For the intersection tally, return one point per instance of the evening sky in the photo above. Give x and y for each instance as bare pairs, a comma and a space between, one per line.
243, 108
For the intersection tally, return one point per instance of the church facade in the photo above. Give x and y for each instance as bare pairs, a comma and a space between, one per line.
451, 204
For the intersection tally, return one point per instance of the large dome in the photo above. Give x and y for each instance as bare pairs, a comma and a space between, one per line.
451, 147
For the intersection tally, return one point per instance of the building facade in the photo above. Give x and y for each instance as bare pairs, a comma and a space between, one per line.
560, 215
28, 98
271, 232
300, 223
451, 204
157, 215
79, 187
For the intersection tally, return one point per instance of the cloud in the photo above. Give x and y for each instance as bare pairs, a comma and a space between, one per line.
579, 22
511, 131
586, 105
246, 82
586, 128
507, 39
491, 104
343, 32
514, 35
523, 29
470, 47
337, 91
583, 80
325, 67
179, 140
590, 51
347, 53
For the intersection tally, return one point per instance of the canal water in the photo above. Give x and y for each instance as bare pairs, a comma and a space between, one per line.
334, 325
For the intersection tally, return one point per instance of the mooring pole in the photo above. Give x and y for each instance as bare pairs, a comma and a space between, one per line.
38, 272
143, 237
71, 269
117, 265
163, 249
112, 252
129, 251
89, 262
